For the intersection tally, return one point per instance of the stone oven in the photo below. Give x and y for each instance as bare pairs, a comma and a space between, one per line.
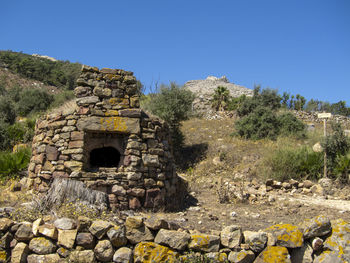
106, 141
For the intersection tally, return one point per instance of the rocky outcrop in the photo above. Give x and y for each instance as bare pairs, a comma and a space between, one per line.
204, 90
315, 240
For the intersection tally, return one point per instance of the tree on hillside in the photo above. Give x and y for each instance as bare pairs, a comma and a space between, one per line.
221, 98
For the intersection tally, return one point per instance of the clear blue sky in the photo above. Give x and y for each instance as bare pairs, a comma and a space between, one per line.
298, 46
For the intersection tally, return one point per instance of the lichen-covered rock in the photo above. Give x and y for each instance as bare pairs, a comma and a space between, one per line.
5, 224
42, 246
19, 253
63, 252
134, 222
156, 223
104, 251
50, 258
84, 223
136, 235
65, 223
274, 254
216, 256
35, 226
339, 240
150, 252
286, 235
255, 240
243, 256
66, 238
231, 236
3, 256
123, 255
331, 257
86, 240
117, 235
24, 232
49, 231
173, 239
316, 227
99, 228
85, 256
302, 254
204, 243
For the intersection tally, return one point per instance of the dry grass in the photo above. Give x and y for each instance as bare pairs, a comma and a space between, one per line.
230, 157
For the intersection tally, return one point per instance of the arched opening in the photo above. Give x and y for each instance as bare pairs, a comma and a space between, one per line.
104, 157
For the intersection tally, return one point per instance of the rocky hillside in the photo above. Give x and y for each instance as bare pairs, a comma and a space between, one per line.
204, 89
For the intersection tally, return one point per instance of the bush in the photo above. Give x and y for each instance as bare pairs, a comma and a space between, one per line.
33, 100
7, 112
173, 104
290, 125
335, 145
5, 142
12, 163
261, 123
287, 163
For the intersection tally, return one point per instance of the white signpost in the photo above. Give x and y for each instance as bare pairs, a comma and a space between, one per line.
324, 116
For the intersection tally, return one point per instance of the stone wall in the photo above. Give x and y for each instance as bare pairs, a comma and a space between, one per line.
311, 117
106, 117
153, 239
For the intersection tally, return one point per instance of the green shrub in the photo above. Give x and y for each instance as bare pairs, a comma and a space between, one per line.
33, 100
12, 163
172, 104
61, 98
236, 103
5, 142
290, 125
342, 167
7, 112
261, 123
335, 144
288, 162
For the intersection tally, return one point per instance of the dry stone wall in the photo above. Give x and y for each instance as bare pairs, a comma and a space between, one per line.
153, 239
108, 142
311, 117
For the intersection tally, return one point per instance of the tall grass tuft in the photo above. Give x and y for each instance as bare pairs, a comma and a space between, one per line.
12, 163
288, 162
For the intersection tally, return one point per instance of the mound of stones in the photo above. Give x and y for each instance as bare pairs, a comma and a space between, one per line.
153, 239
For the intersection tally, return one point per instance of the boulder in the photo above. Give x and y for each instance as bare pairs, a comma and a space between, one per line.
65, 223
3, 256
338, 241
243, 256
286, 235
136, 235
255, 240
49, 231
5, 240
35, 226
85, 240
231, 236
5, 224
155, 223
24, 232
204, 243
85, 256
104, 251
123, 255
316, 227
117, 235
331, 257
148, 252
273, 254
50, 258
66, 238
173, 239
134, 222
84, 223
99, 228
42, 246
216, 256
19, 253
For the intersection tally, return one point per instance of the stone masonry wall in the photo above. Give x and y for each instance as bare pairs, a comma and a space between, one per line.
107, 114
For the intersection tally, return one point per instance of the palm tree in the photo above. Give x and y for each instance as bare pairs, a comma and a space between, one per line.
220, 98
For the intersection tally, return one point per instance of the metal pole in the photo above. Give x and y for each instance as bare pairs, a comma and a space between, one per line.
325, 154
